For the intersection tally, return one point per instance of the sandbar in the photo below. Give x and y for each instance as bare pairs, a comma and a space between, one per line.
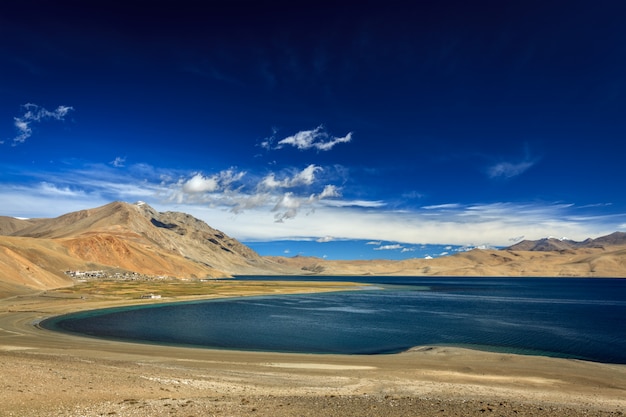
52, 373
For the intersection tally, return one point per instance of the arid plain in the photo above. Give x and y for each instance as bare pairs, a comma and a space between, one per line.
50, 373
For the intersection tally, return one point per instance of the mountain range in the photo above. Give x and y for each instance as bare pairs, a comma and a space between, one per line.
121, 238
554, 244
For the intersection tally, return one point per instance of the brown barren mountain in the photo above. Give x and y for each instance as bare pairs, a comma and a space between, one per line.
587, 262
120, 237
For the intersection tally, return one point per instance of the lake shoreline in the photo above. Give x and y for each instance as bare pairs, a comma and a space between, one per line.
46, 370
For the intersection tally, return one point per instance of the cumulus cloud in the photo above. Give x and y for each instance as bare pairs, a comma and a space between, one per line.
325, 239
35, 114
317, 138
200, 184
285, 195
304, 177
199, 187
330, 191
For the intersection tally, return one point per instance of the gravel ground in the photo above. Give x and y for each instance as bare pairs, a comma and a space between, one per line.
338, 406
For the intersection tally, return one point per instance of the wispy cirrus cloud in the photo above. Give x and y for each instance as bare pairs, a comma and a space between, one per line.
35, 114
318, 139
509, 169
118, 162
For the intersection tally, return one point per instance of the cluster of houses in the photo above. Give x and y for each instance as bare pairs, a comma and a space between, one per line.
112, 275
86, 274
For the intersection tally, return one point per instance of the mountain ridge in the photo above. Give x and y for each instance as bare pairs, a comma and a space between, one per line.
552, 244
121, 237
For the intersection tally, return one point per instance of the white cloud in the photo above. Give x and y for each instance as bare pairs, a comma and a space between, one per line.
118, 162
52, 190
442, 206
45, 200
304, 177
355, 203
325, 239
200, 184
374, 242
317, 139
270, 182
199, 188
33, 113
390, 247
287, 207
229, 190
330, 191
404, 250
413, 195
508, 169
268, 143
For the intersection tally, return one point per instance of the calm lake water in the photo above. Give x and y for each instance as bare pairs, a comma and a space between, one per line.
571, 318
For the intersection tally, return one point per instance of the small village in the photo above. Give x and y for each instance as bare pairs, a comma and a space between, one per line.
117, 275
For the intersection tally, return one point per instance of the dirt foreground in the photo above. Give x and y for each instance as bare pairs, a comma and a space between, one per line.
45, 373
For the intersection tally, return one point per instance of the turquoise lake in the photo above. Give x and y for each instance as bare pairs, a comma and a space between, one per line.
560, 317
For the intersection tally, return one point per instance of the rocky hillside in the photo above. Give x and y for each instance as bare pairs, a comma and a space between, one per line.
123, 234
121, 237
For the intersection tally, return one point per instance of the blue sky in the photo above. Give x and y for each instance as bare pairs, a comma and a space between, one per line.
405, 123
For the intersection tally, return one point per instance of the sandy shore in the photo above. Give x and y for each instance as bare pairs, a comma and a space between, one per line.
49, 373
